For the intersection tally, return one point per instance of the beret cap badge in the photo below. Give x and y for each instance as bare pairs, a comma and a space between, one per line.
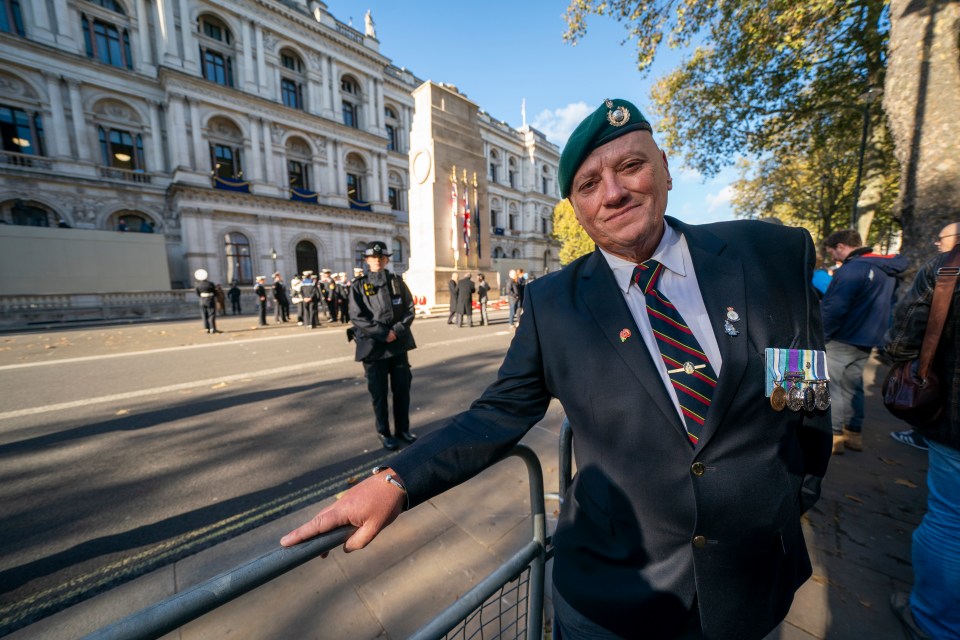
617, 117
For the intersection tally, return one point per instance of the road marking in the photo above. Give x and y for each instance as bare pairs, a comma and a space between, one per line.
142, 393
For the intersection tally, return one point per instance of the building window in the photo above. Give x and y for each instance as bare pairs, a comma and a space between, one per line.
355, 187
391, 138
498, 253
515, 254
512, 173
307, 259
493, 172
106, 42
291, 84
544, 226
494, 218
120, 149
359, 259
299, 175
292, 93
11, 18
226, 161
29, 214
393, 195
216, 49
132, 221
21, 132
239, 263
494, 165
397, 251
350, 102
393, 128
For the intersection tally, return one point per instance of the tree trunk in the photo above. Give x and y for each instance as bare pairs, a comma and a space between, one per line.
921, 96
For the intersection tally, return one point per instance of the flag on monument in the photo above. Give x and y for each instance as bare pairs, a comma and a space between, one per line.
466, 223
476, 216
453, 209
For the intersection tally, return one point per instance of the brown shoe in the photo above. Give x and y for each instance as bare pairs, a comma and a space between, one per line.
837, 445
853, 440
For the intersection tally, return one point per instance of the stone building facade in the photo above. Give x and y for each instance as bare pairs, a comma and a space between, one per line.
255, 135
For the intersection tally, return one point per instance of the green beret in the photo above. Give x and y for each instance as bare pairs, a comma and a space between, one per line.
611, 120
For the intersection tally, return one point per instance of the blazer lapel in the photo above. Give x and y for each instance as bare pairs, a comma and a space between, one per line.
605, 302
722, 285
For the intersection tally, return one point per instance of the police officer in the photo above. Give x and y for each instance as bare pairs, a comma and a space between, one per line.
381, 311
261, 292
206, 291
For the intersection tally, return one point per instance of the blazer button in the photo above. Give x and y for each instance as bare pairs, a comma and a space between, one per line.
698, 469
699, 541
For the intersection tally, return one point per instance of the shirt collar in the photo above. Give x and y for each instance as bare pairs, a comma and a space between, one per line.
669, 253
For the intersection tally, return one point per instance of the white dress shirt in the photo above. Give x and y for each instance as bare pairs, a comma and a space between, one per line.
678, 283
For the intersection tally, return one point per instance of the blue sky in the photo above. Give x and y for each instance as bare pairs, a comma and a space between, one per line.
500, 53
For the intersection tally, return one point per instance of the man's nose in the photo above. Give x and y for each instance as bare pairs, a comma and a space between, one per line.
613, 190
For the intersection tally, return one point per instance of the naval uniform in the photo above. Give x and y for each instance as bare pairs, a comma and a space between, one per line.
381, 302
206, 291
261, 293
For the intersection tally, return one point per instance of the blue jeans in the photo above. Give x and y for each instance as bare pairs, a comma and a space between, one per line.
513, 311
936, 548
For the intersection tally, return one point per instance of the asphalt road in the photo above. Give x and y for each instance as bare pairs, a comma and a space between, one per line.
123, 449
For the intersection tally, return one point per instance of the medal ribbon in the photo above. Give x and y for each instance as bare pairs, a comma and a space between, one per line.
678, 346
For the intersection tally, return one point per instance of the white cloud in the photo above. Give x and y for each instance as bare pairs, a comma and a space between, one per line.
720, 199
686, 175
558, 124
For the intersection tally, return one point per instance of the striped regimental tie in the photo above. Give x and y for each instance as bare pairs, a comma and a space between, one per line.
690, 372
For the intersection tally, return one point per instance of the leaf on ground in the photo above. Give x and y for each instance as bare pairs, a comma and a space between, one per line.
854, 498
865, 603
219, 385
122, 412
905, 483
891, 462
354, 479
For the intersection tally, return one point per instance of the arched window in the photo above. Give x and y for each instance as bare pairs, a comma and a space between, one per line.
216, 50
133, 221
393, 128
298, 164
239, 263
513, 219
351, 99
494, 164
226, 144
292, 79
356, 174
512, 172
546, 221
498, 253
546, 180
119, 136
515, 254
495, 222
358, 251
22, 131
546, 261
307, 259
106, 33
121, 150
11, 17
396, 192
27, 213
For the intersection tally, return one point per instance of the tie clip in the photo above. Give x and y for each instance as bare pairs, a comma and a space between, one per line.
688, 367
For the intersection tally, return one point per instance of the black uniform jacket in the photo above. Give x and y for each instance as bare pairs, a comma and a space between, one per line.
375, 309
649, 522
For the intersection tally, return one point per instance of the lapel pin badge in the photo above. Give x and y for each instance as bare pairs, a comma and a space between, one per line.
624, 334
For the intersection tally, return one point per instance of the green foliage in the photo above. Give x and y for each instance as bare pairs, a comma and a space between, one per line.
574, 241
778, 81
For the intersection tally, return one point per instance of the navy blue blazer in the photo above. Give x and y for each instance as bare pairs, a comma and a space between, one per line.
650, 522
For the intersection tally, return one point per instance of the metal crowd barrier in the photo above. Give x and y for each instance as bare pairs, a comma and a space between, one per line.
506, 604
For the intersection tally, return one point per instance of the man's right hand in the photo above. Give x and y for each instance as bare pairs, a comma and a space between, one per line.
370, 506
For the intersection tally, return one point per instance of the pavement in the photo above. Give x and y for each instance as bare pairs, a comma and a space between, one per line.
858, 534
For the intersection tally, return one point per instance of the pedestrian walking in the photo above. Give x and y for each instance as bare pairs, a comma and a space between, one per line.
234, 294
483, 290
465, 291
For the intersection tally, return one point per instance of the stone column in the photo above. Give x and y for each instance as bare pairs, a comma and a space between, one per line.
379, 108
191, 50
41, 21
156, 139
80, 131
143, 33
370, 108
384, 178
168, 35
175, 129
66, 25
201, 154
251, 145
246, 81
61, 140
374, 180
319, 183
314, 92
325, 79
335, 91
337, 180
269, 156
261, 60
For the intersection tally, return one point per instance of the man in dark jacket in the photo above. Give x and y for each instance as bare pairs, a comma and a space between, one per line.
206, 291
465, 291
856, 314
381, 311
280, 299
931, 608
452, 287
260, 291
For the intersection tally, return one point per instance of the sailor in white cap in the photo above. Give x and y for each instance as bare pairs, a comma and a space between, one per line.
261, 292
208, 304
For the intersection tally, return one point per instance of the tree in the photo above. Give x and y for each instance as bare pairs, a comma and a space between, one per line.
762, 75
574, 241
923, 91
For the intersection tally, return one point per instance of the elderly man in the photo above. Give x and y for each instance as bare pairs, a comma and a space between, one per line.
684, 517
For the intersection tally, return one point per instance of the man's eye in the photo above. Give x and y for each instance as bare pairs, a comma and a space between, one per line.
587, 185
633, 165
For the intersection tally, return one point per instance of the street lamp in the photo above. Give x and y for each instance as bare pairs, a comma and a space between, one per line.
867, 98
273, 254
